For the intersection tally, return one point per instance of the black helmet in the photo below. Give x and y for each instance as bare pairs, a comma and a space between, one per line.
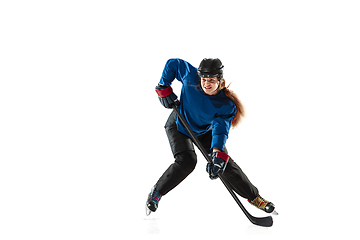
211, 67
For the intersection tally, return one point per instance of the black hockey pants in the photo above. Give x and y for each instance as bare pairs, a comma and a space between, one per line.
185, 162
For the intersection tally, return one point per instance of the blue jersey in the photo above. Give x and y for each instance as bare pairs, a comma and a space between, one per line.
203, 112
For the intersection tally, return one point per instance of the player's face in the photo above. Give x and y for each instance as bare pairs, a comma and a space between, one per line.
210, 85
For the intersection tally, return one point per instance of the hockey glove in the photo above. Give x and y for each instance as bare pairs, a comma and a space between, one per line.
166, 96
220, 160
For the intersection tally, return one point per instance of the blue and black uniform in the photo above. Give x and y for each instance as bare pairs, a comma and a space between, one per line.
210, 117
202, 112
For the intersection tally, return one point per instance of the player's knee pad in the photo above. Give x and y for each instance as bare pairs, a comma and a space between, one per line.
187, 160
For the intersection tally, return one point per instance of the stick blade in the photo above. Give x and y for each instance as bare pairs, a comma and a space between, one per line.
263, 222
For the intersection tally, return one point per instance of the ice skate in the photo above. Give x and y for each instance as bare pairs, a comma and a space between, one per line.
264, 205
152, 202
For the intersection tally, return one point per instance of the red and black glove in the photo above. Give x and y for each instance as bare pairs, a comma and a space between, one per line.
166, 96
220, 160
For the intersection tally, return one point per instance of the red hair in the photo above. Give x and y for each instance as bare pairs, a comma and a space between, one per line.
240, 110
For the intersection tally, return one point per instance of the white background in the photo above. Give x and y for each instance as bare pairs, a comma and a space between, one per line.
81, 128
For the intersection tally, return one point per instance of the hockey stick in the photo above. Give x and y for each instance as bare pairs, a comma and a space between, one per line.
264, 221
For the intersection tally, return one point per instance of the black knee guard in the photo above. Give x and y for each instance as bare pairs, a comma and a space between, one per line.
187, 160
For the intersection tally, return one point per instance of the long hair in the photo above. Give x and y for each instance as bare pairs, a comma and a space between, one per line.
240, 110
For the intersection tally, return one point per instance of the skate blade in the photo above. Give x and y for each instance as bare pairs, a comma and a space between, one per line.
147, 210
275, 213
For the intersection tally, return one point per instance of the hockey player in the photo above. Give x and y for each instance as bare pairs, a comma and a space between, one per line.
210, 109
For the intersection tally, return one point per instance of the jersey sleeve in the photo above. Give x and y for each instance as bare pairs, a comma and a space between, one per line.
176, 68
221, 127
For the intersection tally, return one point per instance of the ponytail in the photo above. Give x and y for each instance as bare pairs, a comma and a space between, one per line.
240, 110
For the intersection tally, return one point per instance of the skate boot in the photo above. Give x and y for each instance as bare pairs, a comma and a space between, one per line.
152, 202
264, 205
